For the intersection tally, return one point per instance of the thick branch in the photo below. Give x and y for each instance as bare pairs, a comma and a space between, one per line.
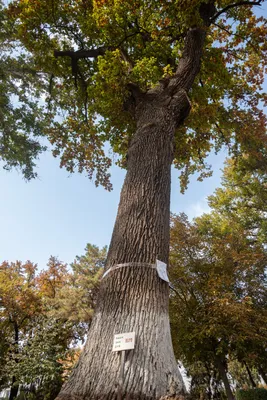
240, 3
189, 64
77, 55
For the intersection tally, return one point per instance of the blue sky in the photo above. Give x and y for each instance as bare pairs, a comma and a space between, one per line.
58, 213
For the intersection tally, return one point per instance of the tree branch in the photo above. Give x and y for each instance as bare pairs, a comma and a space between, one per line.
240, 3
189, 64
77, 55
236, 35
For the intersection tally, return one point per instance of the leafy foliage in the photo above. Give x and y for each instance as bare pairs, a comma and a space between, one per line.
97, 53
255, 394
44, 317
239, 374
218, 270
21, 114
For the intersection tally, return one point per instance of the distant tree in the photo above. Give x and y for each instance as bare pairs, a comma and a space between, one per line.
205, 382
75, 297
242, 375
242, 200
218, 274
19, 303
44, 317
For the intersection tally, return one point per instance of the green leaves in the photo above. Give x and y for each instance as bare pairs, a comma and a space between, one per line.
87, 100
218, 271
21, 114
43, 318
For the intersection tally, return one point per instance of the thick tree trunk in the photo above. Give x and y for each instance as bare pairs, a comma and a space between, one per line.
14, 386
14, 389
221, 365
133, 297
262, 374
253, 384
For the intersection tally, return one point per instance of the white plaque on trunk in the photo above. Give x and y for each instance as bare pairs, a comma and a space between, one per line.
123, 341
162, 270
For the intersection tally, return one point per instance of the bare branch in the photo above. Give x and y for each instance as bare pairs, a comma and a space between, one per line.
240, 3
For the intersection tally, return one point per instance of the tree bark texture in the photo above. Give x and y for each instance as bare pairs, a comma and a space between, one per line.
221, 365
14, 389
14, 386
253, 383
134, 298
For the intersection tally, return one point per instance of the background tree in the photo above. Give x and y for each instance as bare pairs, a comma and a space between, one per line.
242, 199
129, 72
219, 276
51, 311
240, 376
77, 290
19, 302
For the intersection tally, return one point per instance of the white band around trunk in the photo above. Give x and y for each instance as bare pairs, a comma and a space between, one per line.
130, 264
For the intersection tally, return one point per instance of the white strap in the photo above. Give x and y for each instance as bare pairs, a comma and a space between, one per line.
130, 264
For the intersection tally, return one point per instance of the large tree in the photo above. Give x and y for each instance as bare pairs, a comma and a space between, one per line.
218, 310
129, 72
43, 318
19, 303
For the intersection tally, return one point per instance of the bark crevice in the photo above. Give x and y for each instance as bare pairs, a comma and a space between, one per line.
151, 370
135, 298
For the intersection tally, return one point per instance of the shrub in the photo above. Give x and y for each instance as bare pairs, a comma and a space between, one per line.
252, 394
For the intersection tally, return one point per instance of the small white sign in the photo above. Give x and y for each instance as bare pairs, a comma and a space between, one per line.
124, 341
162, 270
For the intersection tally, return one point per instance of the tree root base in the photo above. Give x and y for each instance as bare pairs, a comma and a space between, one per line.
127, 397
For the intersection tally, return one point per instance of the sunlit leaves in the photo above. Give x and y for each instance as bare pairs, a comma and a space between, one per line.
21, 119
218, 272
144, 42
43, 317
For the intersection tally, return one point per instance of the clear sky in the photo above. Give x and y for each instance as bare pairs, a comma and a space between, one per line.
58, 213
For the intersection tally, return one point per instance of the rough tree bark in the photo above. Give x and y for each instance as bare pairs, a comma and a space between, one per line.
253, 383
134, 298
221, 366
14, 386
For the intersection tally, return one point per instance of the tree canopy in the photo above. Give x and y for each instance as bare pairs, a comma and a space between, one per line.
96, 57
218, 271
44, 317
21, 113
